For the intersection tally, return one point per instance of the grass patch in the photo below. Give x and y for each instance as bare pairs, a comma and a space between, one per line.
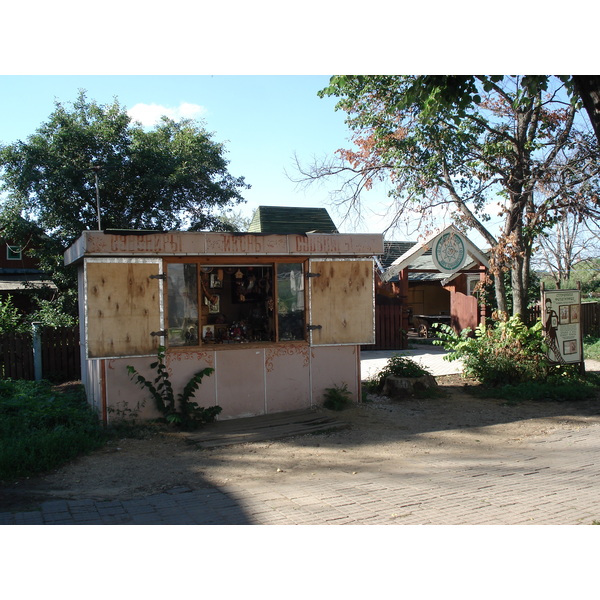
591, 347
42, 428
554, 390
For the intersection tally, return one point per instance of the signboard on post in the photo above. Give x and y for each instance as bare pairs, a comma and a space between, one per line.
561, 319
449, 252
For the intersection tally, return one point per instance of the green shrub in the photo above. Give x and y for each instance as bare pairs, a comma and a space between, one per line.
180, 410
570, 388
10, 320
41, 429
591, 347
398, 365
337, 397
52, 314
508, 352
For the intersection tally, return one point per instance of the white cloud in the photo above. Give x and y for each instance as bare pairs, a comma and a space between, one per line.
150, 114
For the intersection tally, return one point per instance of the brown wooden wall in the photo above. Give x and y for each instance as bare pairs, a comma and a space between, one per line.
464, 311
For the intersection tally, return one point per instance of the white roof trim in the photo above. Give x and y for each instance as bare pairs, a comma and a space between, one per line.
468, 267
17, 286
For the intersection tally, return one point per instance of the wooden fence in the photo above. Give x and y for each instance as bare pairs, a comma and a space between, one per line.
60, 359
389, 334
590, 318
388, 328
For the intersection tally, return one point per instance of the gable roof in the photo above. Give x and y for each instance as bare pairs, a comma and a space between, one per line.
392, 251
416, 256
291, 219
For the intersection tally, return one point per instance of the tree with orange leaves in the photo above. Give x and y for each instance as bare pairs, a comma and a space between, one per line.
510, 141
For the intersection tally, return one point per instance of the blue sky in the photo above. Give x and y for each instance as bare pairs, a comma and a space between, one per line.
263, 120
271, 59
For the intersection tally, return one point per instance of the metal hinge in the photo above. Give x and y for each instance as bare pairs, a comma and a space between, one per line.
162, 276
162, 333
313, 327
313, 274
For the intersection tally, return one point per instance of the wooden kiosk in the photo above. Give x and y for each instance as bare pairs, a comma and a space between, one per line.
279, 317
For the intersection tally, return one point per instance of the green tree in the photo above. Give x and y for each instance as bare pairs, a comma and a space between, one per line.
172, 177
569, 243
434, 92
502, 141
10, 320
169, 178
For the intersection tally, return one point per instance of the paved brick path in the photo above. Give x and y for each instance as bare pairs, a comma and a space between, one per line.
554, 481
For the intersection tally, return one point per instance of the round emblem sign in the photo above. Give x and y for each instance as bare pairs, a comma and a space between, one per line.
449, 252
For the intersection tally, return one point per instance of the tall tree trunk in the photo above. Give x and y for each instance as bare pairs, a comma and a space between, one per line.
500, 293
526, 277
518, 290
588, 89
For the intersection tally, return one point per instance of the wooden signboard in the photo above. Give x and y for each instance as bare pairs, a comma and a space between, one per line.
561, 319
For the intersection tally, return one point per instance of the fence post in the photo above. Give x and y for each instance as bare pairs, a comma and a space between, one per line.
37, 351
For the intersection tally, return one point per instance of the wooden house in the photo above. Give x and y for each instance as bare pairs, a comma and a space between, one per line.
20, 274
280, 316
415, 290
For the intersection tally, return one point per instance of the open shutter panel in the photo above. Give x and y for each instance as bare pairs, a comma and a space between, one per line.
123, 309
341, 302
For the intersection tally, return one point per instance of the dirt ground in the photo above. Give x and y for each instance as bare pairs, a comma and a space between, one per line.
382, 434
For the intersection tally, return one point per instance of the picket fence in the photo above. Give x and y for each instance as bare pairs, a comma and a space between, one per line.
60, 359
590, 318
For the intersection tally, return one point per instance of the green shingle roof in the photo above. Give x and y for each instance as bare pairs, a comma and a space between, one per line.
394, 250
291, 219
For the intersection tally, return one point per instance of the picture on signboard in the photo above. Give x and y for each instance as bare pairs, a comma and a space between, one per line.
563, 311
569, 347
574, 313
551, 322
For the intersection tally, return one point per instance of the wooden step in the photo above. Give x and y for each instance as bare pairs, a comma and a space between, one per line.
264, 428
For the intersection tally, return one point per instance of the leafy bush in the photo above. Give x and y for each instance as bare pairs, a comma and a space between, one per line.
591, 347
398, 365
180, 410
337, 397
508, 352
10, 320
41, 429
52, 314
570, 388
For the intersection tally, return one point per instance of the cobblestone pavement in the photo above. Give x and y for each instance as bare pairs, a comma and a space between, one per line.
555, 481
